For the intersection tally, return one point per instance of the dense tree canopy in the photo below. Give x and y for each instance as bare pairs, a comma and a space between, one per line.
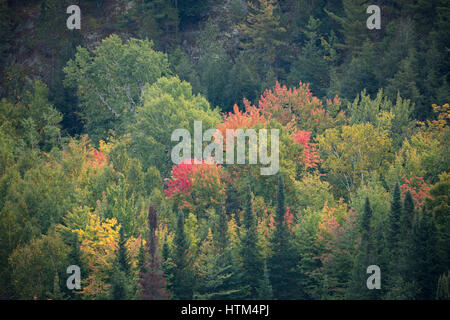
86, 138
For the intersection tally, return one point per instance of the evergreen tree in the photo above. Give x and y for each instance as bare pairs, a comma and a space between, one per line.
265, 288
365, 257
120, 284
393, 280
153, 284
183, 280
250, 251
124, 264
281, 263
443, 286
405, 82
425, 257
311, 66
393, 231
56, 294
405, 235
213, 272
263, 33
353, 24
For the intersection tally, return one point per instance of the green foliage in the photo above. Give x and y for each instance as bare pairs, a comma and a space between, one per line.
250, 252
70, 199
183, 280
34, 266
282, 262
168, 104
109, 81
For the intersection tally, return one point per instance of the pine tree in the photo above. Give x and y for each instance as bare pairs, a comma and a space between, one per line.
265, 288
183, 280
56, 294
406, 249
443, 292
124, 265
153, 284
213, 272
394, 282
405, 83
425, 269
120, 285
353, 25
250, 252
366, 257
262, 32
281, 263
393, 231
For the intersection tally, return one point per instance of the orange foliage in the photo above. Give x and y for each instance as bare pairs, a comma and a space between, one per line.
311, 157
419, 189
196, 184
241, 120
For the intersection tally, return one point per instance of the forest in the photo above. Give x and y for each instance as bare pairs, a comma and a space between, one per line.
87, 179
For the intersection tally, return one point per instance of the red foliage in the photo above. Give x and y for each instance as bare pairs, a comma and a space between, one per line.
241, 120
99, 158
196, 184
419, 189
180, 181
296, 105
289, 219
311, 157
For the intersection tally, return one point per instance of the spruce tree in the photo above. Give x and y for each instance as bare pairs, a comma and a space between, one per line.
365, 257
425, 269
119, 279
406, 245
250, 251
393, 231
443, 286
213, 272
281, 263
353, 25
122, 253
56, 294
394, 282
265, 288
183, 279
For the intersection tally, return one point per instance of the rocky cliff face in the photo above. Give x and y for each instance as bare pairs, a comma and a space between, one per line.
39, 53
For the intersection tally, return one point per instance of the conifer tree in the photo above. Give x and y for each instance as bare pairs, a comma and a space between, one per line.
265, 288
56, 294
119, 279
406, 247
250, 252
353, 25
425, 257
262, 32
281, 263
213, 272
365, 257
122, 253
393, 231
393, 279
443, 292
183, 279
